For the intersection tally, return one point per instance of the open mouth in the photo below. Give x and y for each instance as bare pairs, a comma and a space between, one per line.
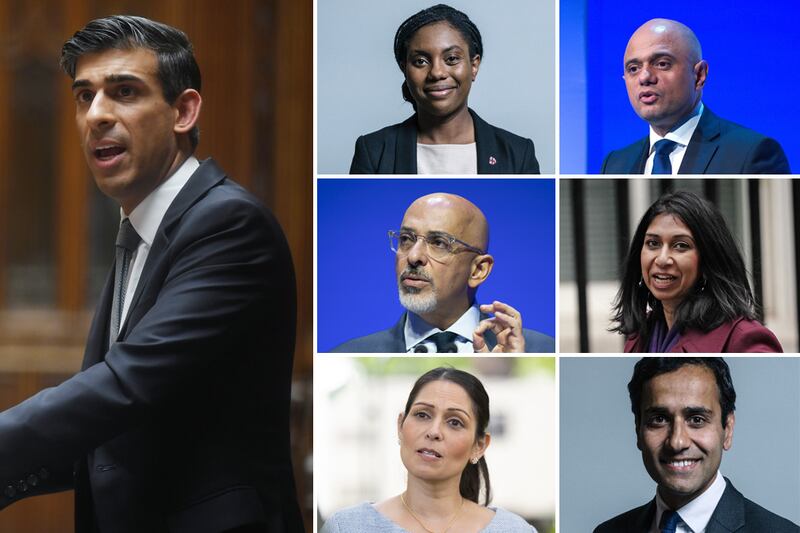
681, 465
661, 281
431, 454
107, 153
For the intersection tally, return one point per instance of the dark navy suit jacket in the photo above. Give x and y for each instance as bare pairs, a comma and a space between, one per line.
737, 336
182, 425
393, 150
717, 147
734, 513
392, 340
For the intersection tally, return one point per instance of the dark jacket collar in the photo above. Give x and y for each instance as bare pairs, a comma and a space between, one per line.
485, 141
399, 336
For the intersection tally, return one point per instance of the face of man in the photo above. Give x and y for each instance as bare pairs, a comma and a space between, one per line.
664, 73
680, 433
127, 129
439, 71
439, 290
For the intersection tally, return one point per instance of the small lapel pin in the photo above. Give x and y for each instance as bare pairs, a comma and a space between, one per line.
492, 160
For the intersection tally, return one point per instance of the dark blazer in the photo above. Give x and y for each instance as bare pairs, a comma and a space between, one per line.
717, 146
182, 425
734, 512
393, 150
738, 336
392, 340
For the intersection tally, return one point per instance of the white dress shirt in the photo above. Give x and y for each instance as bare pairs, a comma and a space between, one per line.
696, 514
145, 219
416, 330
681, 135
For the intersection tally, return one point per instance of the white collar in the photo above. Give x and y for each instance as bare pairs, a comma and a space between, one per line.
147, 216
697, 513
416, 329
683, 133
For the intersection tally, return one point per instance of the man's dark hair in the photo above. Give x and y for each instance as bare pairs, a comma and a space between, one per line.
438, 13
722, 293
649, 367
471, 476
177, 68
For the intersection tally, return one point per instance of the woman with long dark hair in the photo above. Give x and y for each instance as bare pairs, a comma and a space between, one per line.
684, 286
442, 436
439, 51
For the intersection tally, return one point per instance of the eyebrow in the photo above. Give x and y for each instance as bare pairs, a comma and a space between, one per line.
448, 409
650, 59
110, 79
678, 236
690, 410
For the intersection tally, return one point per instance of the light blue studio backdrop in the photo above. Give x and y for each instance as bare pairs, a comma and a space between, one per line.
750, 47
356, 283
358, 81
602, 474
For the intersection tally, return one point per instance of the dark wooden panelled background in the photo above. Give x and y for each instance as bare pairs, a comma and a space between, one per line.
57, 231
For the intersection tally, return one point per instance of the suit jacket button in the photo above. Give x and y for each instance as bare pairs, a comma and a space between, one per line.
10, 491
33, 480
43, 473
22, 486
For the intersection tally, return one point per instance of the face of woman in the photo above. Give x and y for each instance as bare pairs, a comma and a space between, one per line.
437, 437
670, 260
439, 72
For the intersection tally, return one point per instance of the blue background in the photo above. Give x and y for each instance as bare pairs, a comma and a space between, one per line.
751, 48
356, 285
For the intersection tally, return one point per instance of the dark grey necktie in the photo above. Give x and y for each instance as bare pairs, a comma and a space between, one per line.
444, 341
127, 241
669, 521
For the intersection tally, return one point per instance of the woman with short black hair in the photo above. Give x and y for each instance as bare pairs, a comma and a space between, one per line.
685, 287
439, 51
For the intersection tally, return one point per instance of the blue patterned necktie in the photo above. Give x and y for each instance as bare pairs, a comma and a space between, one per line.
127, 242
669, 521
661, 164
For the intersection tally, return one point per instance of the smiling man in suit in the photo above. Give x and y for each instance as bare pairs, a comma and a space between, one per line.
684, 414
441, 259
178, 419
665, 74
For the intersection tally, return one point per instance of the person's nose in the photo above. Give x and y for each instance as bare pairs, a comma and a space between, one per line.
678, 437
100, 115
434, 431
646, 76
418, 253
438, 69
663, 259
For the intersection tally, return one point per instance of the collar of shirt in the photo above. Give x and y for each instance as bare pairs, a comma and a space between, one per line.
682, 135
147, 216
696, 514
417, 330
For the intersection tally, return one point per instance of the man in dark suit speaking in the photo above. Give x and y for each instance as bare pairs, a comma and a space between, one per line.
441, 259
684, 414
178, 419
665, 74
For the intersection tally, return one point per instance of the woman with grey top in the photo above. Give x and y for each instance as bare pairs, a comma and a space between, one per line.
443, 438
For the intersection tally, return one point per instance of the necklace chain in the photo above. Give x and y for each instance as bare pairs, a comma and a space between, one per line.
419, 520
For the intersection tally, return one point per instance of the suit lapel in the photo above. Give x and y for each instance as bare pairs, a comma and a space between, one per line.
97, 341
729, 514
206, 176
645, 519
490, 158
702, 146
405, 157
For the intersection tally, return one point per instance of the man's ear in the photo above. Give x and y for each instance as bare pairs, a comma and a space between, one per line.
700, 74
187, 110
728, 441
480, 269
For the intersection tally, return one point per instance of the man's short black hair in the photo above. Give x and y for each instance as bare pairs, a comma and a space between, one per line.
649, 367
177, 68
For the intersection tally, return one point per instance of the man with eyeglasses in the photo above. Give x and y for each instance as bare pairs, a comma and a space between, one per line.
441, 259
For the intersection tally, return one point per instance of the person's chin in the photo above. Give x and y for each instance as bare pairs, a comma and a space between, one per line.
418, 303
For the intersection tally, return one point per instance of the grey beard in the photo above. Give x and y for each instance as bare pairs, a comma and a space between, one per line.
416, 302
